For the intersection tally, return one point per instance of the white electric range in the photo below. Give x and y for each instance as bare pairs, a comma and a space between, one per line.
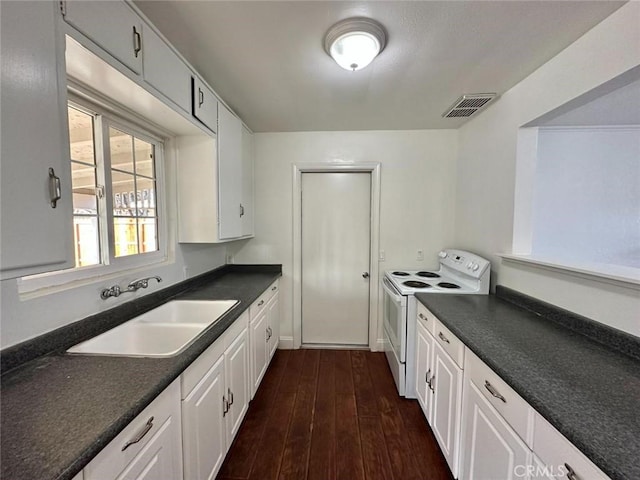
459, 272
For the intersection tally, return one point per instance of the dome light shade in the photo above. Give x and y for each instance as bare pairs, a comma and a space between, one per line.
354, 43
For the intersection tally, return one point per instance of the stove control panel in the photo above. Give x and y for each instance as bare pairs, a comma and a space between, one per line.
465, 262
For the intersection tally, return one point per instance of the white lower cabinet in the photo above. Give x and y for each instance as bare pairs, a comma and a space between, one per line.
259, 349
485, 429
215, 390
236, 366
148, 448
274, 321
491, 448
264, 328
557, 457
424, 369
446, 384
204, 431
439, 384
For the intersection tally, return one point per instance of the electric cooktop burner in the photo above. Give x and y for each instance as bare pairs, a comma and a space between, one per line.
401, 274
416, 284
448, 285
428, 275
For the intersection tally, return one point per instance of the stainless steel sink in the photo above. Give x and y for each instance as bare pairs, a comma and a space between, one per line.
162, 332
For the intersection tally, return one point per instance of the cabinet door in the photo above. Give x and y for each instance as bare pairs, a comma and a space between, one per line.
447, 402
424, 368
158, 460
203, 425
165, 71
112, 25
491, 449
229, 173
237, 382
247, 182
205, 104
274, 323
34, 236
259, 349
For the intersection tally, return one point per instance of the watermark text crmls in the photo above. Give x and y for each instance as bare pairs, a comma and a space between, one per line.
537, 471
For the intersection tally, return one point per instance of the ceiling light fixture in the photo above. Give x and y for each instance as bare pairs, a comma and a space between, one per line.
354, 43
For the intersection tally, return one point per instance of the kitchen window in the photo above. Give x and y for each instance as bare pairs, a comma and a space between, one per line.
116, 172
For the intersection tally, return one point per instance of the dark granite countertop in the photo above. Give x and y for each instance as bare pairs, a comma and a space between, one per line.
58, 410
589, 391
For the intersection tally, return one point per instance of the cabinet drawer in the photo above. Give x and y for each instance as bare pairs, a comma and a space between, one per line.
449, 342
559, 455
261, 302
162, 414
427, 318
504, 399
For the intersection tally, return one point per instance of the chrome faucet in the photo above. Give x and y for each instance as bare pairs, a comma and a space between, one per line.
116, 291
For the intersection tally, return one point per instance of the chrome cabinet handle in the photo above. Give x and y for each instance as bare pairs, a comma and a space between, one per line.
230, 396
493, 391
55, 191
137, 42
273, 289
571, 474
426, 379
433, 389
443, 338
261, 303
422, 316
365, 274
241, 210
148, 426
225, 406
200, 97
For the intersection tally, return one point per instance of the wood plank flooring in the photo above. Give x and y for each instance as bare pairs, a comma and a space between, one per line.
333, 414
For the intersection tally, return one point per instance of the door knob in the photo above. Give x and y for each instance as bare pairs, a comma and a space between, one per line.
365, 275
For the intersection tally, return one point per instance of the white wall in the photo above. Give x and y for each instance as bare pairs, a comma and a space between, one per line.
487, 167
417, 181
22, 318
587, 195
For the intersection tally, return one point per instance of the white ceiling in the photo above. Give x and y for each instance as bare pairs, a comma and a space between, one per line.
266, 58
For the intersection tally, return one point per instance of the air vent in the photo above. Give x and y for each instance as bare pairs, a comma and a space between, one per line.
469, 104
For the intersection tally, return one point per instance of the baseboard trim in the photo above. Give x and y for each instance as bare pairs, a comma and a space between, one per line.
285, 343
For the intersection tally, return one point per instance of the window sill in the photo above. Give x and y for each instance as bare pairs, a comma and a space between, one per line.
628, 277
60, 281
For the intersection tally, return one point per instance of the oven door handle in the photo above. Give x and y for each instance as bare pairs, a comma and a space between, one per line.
386, 285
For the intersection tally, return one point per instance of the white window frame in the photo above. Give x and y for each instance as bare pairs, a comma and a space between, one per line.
111, 115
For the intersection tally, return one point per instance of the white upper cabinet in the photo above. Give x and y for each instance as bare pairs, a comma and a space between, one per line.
247, 182
112, 25
205, 104
35, 237
230, 208
165, 71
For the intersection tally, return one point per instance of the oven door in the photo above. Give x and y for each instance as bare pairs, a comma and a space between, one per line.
395, 319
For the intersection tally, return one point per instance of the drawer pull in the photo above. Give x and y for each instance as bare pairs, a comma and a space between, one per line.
260, 303
140, 436
433, 389
426, 379
225, 407
421, 316
230, 396
493, 391
55, 191
571, 474
443, 338
137, 42
273, 289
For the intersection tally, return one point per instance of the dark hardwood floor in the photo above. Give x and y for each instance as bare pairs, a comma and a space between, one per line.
333, 414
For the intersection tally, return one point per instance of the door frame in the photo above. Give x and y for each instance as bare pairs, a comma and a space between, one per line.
356, 167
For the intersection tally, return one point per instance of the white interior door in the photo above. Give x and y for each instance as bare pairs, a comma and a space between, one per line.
336, 238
